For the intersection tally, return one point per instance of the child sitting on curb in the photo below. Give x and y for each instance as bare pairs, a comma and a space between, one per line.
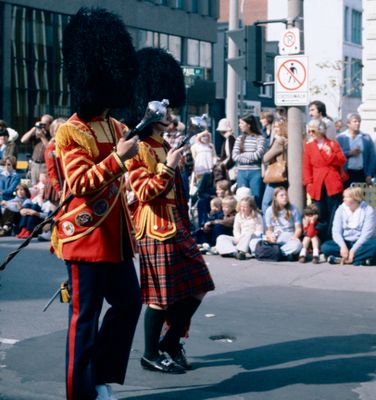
248, 225
310, 234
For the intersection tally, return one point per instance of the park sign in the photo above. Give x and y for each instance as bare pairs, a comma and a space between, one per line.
291, 80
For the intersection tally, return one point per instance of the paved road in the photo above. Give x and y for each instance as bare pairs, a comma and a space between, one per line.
269, 331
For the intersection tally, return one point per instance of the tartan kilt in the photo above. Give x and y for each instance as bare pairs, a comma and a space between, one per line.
172, 270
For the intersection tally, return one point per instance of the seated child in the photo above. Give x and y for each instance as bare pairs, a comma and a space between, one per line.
283, 224
10, 210
215, 213
223, 188
310, 233
221, 226
248, 225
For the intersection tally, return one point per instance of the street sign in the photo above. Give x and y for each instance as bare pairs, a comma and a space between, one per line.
191, 74
193, 71
289, 42
291, 80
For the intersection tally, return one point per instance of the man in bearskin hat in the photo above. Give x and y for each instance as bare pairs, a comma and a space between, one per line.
93, 231
174, 276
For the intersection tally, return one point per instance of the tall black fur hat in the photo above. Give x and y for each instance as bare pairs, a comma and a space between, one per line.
99, 60
159, 77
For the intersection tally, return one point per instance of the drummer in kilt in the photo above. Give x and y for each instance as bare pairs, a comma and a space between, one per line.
174, 276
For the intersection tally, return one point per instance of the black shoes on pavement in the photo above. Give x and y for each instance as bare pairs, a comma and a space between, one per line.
162, 364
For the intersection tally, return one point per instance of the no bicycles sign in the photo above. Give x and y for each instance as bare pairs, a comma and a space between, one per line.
291, 77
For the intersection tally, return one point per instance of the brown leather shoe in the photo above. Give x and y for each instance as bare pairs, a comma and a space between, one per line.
315, 260
302, 259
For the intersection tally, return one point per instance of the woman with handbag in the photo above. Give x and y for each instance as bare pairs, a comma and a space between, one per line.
323, 161
248, 151
275, 161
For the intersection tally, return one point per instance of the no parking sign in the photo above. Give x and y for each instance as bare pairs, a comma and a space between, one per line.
291, 87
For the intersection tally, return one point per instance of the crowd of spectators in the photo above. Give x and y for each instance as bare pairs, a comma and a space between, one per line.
238, 197
28, 196
226, 209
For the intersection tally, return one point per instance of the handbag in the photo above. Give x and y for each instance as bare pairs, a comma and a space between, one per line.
267, 251
276, 172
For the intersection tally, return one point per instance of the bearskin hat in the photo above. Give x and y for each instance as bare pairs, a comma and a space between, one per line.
159, 77
99, 60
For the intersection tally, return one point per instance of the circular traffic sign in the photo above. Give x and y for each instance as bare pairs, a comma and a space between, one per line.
291, 74
289, 38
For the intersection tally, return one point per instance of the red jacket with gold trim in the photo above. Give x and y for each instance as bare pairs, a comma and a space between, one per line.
158, 190
95, 226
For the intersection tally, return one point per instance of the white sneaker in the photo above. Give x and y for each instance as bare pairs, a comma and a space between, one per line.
104, 392
110, 394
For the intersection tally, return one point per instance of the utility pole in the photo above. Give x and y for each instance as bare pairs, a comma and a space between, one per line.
232, 76
295, 122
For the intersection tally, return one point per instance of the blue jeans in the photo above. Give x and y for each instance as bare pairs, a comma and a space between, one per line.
366, 251
251, 179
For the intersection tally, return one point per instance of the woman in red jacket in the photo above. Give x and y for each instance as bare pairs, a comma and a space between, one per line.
323, 160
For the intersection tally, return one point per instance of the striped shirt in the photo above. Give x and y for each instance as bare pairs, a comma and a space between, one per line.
253, 150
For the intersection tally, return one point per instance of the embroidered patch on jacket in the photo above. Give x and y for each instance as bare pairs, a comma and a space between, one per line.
68, 228
83, 218
100, 207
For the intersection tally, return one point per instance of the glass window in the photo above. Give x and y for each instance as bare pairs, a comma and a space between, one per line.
193, 52
163, 41
205, 54
346, 25
356, 27
346, 76
356, 78
145, 39
194, 6
174, 46
38, 85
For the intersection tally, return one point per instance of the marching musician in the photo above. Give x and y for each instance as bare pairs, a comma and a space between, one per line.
174, 276
93, 233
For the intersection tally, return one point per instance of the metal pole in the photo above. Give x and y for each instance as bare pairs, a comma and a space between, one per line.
295, 125
232, 78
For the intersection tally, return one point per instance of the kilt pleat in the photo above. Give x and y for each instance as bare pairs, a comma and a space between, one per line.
173, 269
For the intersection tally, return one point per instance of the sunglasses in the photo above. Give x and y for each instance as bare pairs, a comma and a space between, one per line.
312, 130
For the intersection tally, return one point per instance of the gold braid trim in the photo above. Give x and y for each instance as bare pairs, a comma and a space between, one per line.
69, 133
146, 155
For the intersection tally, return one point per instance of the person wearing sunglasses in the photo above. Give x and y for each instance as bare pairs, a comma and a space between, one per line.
323, 161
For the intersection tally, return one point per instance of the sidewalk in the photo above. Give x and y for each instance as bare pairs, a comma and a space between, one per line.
270, 331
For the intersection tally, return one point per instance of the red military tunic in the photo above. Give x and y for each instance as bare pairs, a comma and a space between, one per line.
172, 268
95, 226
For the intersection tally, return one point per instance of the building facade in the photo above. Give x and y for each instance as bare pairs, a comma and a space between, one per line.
333, 43
31, 71
333, 40
251, 98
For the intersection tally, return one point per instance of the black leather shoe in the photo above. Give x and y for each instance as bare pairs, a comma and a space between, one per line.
181, 359
162, 364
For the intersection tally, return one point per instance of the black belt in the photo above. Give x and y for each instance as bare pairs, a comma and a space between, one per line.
38, 162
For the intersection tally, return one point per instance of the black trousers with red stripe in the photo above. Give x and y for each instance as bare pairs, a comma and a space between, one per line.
98, 355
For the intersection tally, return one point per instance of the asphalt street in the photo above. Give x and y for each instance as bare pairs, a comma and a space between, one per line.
269, 331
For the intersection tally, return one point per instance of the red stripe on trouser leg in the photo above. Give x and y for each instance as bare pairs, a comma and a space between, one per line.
72, 329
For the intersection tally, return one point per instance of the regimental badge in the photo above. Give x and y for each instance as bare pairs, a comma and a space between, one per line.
68, 228
100, 207
83, 218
